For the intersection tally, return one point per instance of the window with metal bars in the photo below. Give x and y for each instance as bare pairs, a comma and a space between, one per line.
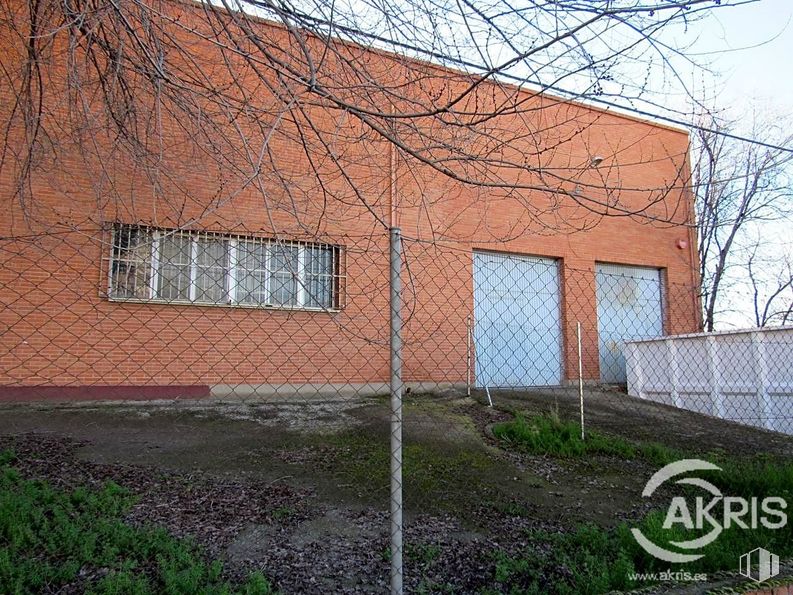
211, 268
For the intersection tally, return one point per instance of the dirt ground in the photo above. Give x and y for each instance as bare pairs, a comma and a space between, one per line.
301, 490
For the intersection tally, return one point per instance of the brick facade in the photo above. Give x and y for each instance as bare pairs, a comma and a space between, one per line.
58, 329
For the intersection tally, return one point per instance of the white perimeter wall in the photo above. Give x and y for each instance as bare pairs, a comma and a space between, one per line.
744, 376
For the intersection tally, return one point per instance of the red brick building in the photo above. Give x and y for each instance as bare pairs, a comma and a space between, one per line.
172, 270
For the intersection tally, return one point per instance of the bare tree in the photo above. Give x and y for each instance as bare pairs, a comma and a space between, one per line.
307, 119
740, 188
771, 282
150, 84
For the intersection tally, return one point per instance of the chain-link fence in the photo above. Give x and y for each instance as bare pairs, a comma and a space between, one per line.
274, 357
240, 314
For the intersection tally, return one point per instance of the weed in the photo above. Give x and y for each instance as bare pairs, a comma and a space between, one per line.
511, 508
425, 587
423, 553
742, 478
548, 434
438, 473
282, 512
52, 538
577, 562
595, 560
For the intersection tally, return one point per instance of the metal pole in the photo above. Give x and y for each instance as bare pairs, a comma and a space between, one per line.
580, 379
468, 356
396, 411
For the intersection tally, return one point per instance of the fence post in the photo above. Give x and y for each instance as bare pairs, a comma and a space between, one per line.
395, 251
671, 348
761, 367
468, 356
717, 396
580, 378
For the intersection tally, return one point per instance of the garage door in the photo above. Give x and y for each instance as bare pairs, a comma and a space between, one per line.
517, 329
629, 307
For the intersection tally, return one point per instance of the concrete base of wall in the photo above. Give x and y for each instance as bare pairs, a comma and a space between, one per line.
69, 394
217, 392
308, 391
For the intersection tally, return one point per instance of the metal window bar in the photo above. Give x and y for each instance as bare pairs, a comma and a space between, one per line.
183, 278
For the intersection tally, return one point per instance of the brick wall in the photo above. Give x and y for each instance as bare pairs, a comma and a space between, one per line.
58, 329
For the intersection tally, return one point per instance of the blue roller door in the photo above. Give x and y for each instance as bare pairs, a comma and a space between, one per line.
629, 307
517, 331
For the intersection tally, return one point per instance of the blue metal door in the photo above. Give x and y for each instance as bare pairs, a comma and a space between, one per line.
629, 308
517, 330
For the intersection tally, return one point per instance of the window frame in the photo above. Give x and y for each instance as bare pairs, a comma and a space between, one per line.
233, 275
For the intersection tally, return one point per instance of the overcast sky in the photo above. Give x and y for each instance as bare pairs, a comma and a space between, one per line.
764, 72
753, 51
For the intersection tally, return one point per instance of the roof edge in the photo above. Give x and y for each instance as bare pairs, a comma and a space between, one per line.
526, 87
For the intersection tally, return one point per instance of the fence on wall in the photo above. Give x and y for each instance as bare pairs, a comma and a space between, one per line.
128, 311
745, 376
241, 313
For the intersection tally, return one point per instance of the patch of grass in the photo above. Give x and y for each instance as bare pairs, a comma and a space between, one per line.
426, 587
441, 474
431, 408
752, 478
564, 563
759, 476
282, 512
511, 508
51, 538
595, 560
422, 557
423, 553
548, 434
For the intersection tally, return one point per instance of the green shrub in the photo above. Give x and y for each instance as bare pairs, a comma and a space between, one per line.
591, 559
51, 538
583, 561
548, 434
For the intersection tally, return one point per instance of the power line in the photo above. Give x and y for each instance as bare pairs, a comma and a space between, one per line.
561, 91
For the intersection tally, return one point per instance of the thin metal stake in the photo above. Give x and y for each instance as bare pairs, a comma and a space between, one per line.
468, 356
396, 411
580, 379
